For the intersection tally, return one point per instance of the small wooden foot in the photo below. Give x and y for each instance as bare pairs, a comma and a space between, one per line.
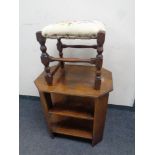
97, 82
94, 142
49, 79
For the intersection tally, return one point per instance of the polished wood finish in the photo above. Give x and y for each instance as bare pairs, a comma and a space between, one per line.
46, 105
100, 110
92, 60
76, 80
73, 109
99, 59
46, 59
73, 127
71, 106
79, 46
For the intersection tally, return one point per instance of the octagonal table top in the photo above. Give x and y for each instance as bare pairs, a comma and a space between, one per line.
77, 80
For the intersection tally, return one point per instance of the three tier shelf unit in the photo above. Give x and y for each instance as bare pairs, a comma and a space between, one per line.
71, 105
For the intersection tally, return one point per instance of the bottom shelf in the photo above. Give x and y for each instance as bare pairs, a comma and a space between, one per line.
73, 127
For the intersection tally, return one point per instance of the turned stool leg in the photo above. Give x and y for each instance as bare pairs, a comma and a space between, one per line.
60, 48
99, 58
44, 57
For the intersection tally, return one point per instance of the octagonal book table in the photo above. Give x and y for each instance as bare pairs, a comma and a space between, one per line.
71, 106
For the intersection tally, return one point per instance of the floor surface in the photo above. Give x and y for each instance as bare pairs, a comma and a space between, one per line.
35, 140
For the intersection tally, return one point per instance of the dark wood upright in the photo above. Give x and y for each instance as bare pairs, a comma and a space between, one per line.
71, 106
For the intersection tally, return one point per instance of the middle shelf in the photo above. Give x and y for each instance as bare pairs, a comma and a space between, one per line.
75, 110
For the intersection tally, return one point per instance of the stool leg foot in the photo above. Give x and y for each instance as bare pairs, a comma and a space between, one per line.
49, 78
98, 82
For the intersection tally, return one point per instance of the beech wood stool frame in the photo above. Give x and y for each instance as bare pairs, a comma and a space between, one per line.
46, 59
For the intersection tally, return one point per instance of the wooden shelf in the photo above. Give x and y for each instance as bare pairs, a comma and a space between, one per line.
71, 105
75, 110
73, 127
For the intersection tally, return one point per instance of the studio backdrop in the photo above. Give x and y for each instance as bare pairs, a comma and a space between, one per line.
118, 17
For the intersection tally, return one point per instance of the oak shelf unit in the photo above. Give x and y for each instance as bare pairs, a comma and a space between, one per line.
71, 116
71, 106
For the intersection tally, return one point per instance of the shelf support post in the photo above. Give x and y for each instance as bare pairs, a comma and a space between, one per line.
101, 105
45, 100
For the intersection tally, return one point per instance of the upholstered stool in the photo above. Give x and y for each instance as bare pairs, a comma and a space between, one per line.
72, 30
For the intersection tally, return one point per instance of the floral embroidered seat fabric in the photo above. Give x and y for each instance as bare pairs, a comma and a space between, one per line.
73, 30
